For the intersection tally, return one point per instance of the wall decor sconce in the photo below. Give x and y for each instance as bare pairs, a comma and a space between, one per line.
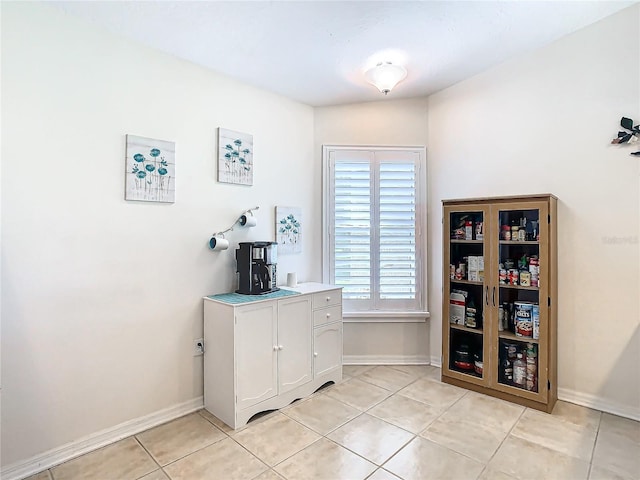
385, 75
630, 136
246, 219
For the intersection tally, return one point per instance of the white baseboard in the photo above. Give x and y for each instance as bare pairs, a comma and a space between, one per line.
436, 361
385, 360
598, 403
96, 440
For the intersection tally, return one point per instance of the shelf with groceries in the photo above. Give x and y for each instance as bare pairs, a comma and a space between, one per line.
499, 298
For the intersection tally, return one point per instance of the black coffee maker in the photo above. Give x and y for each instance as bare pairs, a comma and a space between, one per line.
256, 267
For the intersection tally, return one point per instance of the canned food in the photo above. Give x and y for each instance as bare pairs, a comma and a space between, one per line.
503, 276
525, 278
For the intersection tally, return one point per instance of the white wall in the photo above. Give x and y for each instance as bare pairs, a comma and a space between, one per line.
543, 123
101, 298
388, 122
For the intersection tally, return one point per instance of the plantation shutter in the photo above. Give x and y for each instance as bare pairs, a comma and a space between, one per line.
373, 228
397, 230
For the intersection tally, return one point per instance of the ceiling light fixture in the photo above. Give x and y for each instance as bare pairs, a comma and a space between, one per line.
385, 76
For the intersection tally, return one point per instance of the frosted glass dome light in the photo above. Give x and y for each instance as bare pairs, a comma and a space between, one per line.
385, 76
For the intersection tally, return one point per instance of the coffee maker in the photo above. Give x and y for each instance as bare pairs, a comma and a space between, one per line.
256, 267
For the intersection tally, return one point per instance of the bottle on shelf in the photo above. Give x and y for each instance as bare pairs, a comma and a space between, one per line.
532, 368
506, 371
519, 372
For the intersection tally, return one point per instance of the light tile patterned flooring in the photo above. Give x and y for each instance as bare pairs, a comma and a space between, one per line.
380, 423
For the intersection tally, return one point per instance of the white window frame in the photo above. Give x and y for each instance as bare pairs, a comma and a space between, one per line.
399, 313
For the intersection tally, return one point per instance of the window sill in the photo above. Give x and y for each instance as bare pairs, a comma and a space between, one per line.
385, 317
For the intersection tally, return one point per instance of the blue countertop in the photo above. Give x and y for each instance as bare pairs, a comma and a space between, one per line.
236, 298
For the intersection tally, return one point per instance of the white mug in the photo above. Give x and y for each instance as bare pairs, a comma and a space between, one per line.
292, 279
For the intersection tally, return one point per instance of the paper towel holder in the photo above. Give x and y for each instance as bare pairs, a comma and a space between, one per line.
246, 219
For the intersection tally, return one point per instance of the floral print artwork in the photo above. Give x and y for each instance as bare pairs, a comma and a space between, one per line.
289, 229
235, 157
150, 170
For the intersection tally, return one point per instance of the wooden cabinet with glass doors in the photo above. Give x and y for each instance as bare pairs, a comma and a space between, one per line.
500, 297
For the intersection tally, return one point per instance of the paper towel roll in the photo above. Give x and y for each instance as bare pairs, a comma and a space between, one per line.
217, 243
292, 279
248, 221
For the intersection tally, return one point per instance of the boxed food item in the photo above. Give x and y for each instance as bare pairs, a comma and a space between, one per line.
457, 303
476, 268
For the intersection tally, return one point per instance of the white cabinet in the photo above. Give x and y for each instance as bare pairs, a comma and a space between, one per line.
327, 353
256, 338
294, 343
268, 350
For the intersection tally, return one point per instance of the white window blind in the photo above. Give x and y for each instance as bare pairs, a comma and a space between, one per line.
373, 216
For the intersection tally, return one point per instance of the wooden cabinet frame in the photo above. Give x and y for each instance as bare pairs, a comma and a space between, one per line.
491, 291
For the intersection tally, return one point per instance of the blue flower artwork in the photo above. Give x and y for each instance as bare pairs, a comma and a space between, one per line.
235, 157
150, 170
289, 229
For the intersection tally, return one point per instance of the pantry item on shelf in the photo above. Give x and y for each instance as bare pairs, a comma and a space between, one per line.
463, 270
509, 264
500, 318
452, 271
535, 320
522, 235
475, 268
523, 263
458, 274
479, 231
525, 278
462, 358
468, 230
456, 308
457, 234
506, 369
470, 316
506, 232
524, 324
532, 367
534, 269
502, 275
512, 276
478, 367
514, 233
520, 372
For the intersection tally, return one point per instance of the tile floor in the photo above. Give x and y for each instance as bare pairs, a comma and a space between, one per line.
380, 423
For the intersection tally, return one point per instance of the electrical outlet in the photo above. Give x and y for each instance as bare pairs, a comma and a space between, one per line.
198, 347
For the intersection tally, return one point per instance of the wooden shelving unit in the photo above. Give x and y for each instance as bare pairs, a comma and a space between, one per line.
494, 342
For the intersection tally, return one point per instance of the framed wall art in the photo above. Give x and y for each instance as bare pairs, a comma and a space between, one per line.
289, 229
150, 170
235, 157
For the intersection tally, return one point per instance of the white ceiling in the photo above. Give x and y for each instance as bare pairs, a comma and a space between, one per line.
316, 51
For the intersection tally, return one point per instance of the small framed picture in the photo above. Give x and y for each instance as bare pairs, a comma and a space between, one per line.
150, 170
235, 157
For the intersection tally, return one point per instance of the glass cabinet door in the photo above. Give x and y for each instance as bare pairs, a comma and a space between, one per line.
520, 297
465, 347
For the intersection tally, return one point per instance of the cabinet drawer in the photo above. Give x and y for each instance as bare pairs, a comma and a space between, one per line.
327, 315
328, 298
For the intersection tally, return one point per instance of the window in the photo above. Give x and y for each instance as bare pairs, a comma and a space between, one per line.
374, 215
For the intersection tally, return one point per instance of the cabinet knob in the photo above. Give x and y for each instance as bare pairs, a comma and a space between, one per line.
275, 348
328, 315
315, 354
280, 347
328, 299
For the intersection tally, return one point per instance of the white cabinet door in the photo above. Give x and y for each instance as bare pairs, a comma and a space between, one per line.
256, 353
294, 342
327, 348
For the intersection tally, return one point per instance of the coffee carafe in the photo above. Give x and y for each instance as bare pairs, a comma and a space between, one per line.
256, 267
